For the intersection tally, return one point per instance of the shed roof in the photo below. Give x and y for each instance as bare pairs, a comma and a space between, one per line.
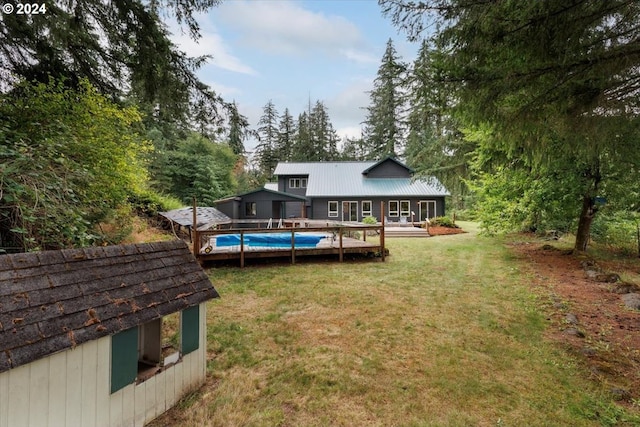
205, 216
330, 179
55, 300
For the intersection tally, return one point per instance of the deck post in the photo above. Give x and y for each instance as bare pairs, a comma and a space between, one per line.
194, 234
293, 246
341, 248
382, 217
241, 249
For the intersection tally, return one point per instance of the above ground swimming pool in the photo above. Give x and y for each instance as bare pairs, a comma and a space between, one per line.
272, 240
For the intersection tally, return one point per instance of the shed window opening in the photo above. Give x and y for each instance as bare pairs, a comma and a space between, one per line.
394, 208
139, 353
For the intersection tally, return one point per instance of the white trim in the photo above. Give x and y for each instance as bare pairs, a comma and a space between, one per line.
333, 213
348, 213
405, 213
395, 212
368, 212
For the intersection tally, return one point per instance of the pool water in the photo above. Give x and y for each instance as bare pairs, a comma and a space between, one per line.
272, 240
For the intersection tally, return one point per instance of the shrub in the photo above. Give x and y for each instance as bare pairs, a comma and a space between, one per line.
149, 203
443, 221
370, 220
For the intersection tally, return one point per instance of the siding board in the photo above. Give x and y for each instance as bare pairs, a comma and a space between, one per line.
19, 397
4, 399
38, 393
57, 387
73, 414
102, 382
89, 382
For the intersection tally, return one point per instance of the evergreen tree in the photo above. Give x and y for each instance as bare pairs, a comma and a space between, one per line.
286, 135
324, 138
384, 126
435, 144
266, 153
238, 130
353, 149
303, 150
551, 85
122, 48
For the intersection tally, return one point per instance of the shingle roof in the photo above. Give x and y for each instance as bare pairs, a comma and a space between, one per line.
54, 300
206, 216
328, 179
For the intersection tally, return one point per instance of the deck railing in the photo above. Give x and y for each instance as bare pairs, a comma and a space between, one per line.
337, 231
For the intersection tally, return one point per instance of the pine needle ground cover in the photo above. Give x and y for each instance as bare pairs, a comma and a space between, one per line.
447, 332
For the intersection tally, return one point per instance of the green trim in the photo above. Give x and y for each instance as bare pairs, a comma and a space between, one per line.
124, 358
190, 329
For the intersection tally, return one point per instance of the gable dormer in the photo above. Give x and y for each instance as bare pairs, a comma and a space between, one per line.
388, 168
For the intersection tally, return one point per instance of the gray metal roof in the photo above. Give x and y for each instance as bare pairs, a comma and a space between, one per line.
328, 179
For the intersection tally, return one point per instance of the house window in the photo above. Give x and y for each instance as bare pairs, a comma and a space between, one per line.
394, 208
333, 209
405, 207
251, 209
366, 208
297, 182
140, 352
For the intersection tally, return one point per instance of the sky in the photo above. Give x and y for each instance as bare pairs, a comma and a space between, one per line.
290, 51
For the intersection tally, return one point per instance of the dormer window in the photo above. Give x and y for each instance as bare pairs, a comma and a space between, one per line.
297, 182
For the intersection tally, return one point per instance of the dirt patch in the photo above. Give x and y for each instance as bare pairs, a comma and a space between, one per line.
589, 318
443, 231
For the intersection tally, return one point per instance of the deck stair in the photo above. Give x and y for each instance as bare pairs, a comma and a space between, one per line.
405, 232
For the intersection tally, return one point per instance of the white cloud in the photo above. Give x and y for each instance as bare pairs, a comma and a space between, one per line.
284, 27
212, 44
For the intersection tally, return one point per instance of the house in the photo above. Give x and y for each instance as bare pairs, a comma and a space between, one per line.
343, 191
263, 203
100, 336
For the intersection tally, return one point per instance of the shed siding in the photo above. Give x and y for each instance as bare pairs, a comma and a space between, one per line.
71, 388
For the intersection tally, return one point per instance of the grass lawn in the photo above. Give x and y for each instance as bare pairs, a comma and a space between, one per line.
446, 332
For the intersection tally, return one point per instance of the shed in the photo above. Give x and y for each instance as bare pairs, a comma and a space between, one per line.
82, 330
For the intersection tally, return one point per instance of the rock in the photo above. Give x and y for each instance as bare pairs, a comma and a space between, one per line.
600, 277
607, 278
571, 318
589, 264
632, 300
548, 247
574, 332
591, 274
625, 288
620, 393
589, 352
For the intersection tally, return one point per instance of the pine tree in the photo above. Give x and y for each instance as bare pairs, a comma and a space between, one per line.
122, 48
435, 144
238, 126
266, 153
303, 150
286, 135
322, 134
384, 125
543, 87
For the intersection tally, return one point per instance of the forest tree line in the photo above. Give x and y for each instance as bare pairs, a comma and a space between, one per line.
527, 112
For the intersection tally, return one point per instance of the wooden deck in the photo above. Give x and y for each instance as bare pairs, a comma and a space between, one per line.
337, 242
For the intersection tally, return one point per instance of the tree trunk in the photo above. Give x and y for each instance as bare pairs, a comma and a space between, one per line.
587, 214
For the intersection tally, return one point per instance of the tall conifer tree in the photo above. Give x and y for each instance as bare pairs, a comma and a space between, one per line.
384, 126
